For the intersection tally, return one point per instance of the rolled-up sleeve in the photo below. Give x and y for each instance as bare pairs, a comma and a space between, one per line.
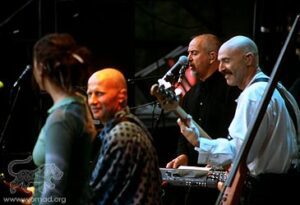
217, 152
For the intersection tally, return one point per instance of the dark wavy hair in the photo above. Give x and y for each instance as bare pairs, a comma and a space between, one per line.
65, 62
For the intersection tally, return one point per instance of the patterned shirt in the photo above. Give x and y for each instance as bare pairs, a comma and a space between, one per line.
127, 170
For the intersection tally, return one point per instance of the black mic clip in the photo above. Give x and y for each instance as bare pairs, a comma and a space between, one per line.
181, 74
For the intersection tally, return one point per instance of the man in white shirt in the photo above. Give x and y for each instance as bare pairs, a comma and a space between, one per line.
274, 149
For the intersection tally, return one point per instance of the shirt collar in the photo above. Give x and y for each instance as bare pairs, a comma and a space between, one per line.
111, 123
63, 102
259, 74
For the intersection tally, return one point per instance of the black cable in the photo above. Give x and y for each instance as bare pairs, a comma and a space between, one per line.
153, 116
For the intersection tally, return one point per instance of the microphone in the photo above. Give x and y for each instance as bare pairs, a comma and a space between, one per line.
182, 62
26, 70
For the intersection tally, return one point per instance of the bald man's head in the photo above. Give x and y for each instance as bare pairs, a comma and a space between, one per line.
244, 45
238, 61
203, 55
208, 42
107, 93
111, 76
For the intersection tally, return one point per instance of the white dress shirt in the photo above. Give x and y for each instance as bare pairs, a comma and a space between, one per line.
275, 144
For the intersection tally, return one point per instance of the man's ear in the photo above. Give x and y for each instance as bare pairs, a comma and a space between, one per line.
212, 57
249, 58
122, 97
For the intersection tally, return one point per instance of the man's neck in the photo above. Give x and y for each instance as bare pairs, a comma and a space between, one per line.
212, 69
249, 77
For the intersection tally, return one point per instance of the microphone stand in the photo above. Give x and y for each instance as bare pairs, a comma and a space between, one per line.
12, 107
12, 101
133, 80
154, 103
143, 105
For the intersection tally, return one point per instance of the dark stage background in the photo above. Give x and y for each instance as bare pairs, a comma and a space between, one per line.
137, 37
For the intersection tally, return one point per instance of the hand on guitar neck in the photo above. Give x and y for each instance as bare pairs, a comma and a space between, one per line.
169, 102
189, 130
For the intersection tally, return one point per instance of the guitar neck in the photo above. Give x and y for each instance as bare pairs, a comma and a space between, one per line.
231, 193
183, 115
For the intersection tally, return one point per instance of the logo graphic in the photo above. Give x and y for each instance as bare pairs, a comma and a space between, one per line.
25, 178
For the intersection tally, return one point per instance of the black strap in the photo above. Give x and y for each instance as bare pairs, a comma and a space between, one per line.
135, 120
287, 102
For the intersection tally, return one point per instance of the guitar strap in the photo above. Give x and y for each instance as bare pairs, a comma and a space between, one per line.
287, 102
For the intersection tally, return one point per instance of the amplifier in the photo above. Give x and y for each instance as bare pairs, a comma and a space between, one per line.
195, 178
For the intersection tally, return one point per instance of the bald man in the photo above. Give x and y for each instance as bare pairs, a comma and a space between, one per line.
127, 170
210, 101
274, 150
107, 93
